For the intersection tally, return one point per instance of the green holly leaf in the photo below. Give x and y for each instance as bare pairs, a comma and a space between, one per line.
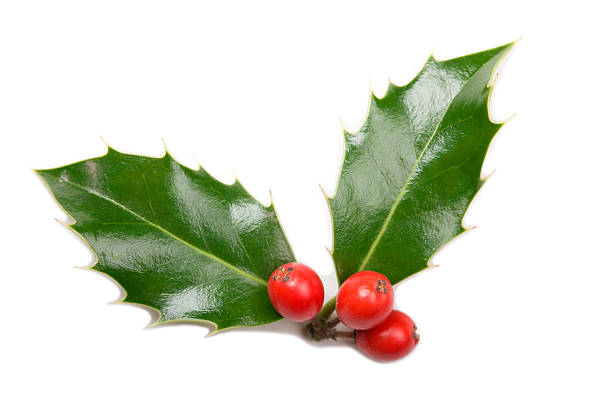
413, 168
176, 239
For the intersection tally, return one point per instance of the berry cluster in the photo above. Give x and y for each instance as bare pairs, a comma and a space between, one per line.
364, 303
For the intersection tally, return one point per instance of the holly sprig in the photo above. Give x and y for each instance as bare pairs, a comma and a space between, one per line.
195, 249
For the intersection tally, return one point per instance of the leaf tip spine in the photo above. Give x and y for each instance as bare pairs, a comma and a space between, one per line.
105, 142
324, 192
86, 268
153, 324
166, 152
431, 53
271, 205
197, 162
391, 87
483, 179
468, 228
215, 330
506, 121
374, 99
370, 89
63, 223
234, 180
341, 124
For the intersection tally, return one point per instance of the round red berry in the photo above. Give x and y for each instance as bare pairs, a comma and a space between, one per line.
296, 292
390, 340
364, 300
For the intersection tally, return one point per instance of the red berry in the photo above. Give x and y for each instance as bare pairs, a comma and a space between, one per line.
296, 292
390, 340
364, 300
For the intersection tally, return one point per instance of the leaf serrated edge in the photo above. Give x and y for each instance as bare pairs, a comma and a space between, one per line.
490, 86
158, 321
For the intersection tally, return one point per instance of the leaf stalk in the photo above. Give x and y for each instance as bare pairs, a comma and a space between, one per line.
327, 310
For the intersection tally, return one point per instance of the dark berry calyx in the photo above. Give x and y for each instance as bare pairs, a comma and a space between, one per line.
381, 286
296, 292
283, 274
364, 300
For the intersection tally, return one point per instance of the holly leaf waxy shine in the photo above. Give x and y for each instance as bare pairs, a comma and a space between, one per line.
181, 242
175, 239
413, 168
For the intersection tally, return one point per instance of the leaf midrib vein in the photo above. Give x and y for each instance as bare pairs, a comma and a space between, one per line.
170, 234
385, 225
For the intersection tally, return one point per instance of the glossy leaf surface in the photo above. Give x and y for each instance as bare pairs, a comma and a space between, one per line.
174, 238
411, 171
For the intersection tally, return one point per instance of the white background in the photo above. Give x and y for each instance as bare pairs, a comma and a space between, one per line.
518, 313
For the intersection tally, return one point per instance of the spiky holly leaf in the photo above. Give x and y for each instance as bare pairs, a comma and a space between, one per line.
175, 239
411, 171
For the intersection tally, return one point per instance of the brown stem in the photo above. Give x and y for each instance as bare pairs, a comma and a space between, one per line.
316, 323
345, 334
318, 330
333, 322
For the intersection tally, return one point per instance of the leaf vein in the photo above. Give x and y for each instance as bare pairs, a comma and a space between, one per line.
170, 234
403, 190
